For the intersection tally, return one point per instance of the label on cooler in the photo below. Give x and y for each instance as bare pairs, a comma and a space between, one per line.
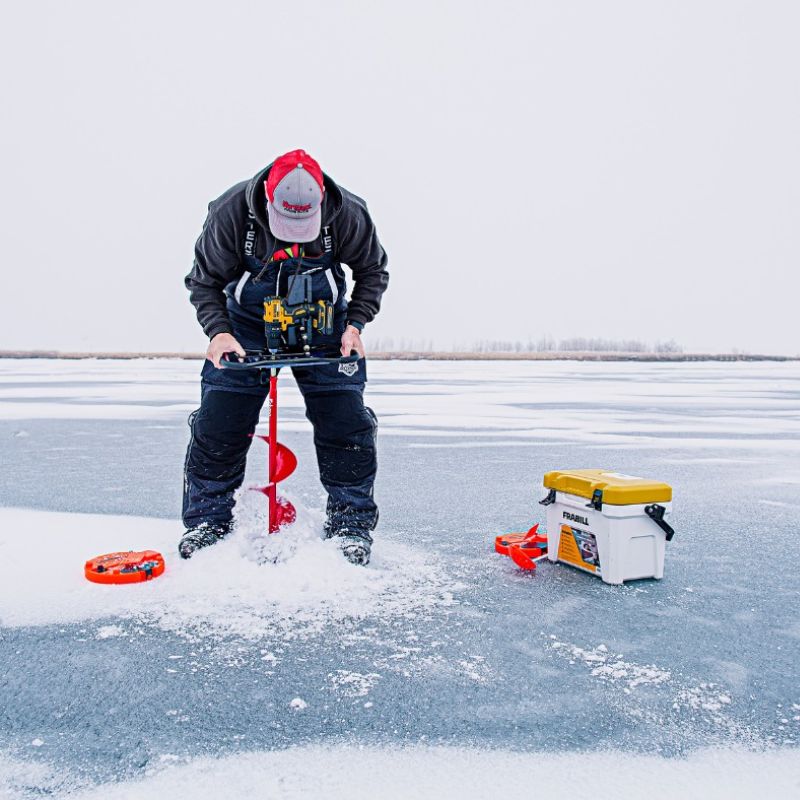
579, 548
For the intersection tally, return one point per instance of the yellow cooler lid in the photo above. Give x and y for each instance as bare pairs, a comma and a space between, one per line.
617, 489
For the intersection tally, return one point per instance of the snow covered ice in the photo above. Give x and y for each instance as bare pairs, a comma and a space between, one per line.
258, 656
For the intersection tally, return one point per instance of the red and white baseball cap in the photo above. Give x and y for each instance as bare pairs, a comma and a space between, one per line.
294, 190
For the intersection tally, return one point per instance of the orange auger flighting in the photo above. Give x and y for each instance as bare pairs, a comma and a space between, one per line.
128, 566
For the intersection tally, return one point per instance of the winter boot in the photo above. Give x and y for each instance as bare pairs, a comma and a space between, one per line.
356, 549
204, 535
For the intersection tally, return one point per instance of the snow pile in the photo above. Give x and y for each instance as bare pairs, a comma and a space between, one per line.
23, 779
226, 590
351, 773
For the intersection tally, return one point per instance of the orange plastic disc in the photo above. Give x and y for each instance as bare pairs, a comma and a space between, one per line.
129, 566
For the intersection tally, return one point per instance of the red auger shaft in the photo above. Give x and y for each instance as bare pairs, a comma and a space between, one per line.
281, 464
272, 489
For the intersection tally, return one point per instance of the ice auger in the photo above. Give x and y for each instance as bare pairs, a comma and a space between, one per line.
289, 330
282, 463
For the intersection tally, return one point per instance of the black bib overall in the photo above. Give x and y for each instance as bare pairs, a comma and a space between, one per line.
231, 400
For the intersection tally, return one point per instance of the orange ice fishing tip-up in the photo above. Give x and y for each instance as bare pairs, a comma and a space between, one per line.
524, 549
128, 566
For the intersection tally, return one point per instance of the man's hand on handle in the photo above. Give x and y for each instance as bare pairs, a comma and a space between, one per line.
351, 340
223, 343
226, 343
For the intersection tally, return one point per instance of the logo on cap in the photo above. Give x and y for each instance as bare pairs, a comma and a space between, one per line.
296, 209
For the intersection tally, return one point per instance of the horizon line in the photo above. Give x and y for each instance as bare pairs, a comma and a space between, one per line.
422, 355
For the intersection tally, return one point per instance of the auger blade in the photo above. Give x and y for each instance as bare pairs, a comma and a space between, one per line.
285, 463
285, 460
284, 514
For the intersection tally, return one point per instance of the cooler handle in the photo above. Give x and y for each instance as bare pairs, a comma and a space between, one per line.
656, 513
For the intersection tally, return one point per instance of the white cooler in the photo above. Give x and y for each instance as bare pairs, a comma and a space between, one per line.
606, 523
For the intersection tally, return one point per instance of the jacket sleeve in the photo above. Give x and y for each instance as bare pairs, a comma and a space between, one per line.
216, 263
361, 250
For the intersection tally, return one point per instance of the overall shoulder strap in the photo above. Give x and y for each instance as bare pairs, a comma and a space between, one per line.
250, 235
327, 240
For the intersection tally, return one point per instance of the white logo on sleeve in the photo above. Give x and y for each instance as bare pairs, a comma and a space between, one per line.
349, 369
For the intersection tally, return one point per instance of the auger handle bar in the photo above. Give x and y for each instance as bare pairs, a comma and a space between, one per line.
257, 359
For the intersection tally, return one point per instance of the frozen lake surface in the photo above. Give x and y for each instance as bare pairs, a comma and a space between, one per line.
440, 647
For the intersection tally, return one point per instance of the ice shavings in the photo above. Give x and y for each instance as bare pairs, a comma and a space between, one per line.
221, 592
672, 697
705, 696
109, 631
613, 668
353, 684
475, 668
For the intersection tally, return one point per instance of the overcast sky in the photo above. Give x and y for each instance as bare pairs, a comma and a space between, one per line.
614, 169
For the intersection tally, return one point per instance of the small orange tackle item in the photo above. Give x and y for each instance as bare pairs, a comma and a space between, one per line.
128, 566
502, 543
524, 549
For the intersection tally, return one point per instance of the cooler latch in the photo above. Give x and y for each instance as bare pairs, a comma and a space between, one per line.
656, 513
550, 499
597, 500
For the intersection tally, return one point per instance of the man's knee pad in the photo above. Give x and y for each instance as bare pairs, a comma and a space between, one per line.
344, 435
341, 417
222, 426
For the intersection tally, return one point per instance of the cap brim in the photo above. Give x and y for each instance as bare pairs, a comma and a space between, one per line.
294, 229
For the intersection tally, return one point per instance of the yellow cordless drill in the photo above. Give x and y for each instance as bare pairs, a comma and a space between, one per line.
291, 326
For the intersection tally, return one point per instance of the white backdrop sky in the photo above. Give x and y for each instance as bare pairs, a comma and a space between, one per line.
614, 169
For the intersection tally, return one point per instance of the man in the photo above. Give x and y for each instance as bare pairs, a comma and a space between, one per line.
289, 219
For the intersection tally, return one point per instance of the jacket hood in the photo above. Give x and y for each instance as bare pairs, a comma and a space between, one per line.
332, 202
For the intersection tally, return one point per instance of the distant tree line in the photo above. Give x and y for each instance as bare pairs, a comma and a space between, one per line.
545, 344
